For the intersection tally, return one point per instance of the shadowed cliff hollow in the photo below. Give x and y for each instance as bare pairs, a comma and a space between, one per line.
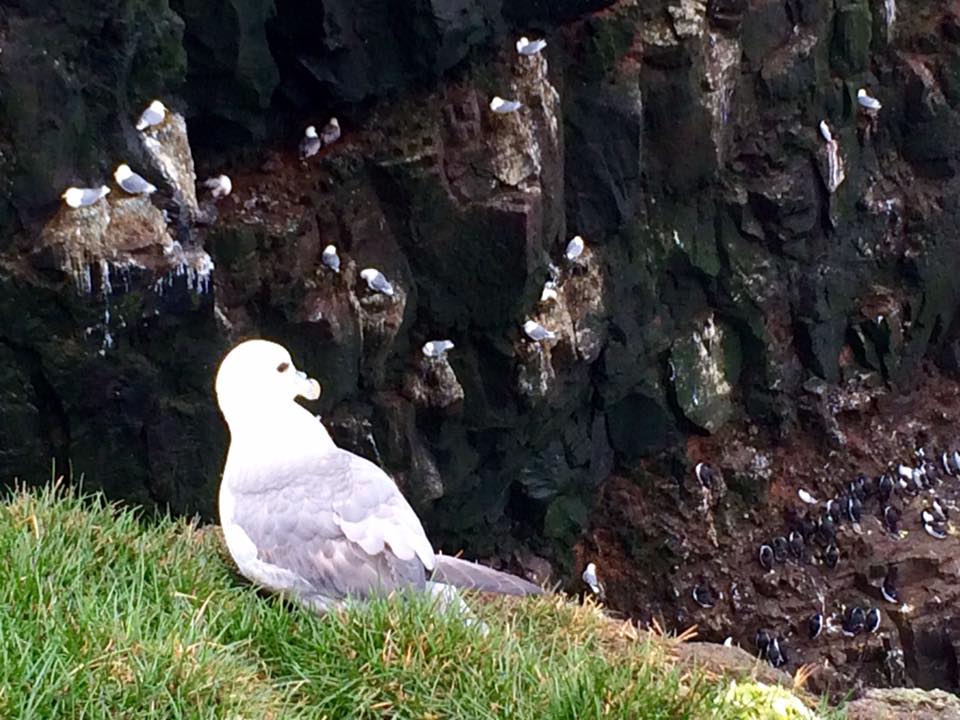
748, 285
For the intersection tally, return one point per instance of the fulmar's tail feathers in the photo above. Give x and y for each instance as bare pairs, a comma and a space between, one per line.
472, 576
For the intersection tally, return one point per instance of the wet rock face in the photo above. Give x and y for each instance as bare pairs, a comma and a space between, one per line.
747, 283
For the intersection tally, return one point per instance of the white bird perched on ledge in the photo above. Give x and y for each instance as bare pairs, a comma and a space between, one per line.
499, 105
153, 115
377, 281
537, 332
331, 132
825, 131
305, 518
574, 248
84, 197
219, 187
437, 348
330, 258
530, 47
131, 182
867, 102
310, 144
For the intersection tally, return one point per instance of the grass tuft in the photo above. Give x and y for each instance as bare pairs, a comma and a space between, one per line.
103, 614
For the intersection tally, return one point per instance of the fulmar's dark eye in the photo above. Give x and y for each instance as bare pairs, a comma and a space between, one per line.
283, 367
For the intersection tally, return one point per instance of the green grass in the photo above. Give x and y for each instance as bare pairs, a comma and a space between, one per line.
104, 615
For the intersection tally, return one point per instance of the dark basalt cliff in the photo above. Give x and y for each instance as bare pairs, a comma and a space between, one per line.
751, 294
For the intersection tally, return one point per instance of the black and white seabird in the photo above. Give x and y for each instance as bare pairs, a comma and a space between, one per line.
891, 519
762, 641
704, 473
854, 509
940, 513
780, 549
765, 556
868, 103
704, 596
796, 544
530, 47
884, 488
827, 530
835, 510
831, 555
853, 621
934, 529
872, 623
776, 655
889, 587
437, 349
815, 625
377, 281
589, 577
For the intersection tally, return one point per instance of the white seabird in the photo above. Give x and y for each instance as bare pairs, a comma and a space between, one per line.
310, 145
377, 281
549, 292
132, 183
437, 348
330, 258
219, 187
806, 497
589, 577
867, 102
574, 248
305, 518
331, 132
83, 197
825, 131
537, 332
526, 46
153, 115
499, 105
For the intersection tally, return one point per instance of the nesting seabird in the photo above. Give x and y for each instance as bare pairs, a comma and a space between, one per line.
310, 144
872, 623
853, 621
933, 528
132, 183
83, 197
219, 186
301, 516
537, 332
780, 549
796, 544
526, 46
704, 473
153, 115
889, 587
331, 132
574, 248
775, 653
815, 626
549, 293
377, 281
762, 641
867, 102
831, 555
330, 258
884, 487
437, 348
806, 497
891, 519
765, 557
854, 509
499, 105
704, 596
589, 577
825, 131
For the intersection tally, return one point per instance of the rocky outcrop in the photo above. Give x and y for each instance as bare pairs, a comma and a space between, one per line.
750, 294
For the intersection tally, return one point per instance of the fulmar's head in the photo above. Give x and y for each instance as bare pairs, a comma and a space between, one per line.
259, 374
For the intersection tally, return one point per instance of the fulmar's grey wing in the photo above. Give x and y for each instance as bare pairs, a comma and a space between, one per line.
337, 523
473, 576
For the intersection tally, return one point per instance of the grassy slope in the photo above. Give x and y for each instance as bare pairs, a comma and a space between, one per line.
102, 615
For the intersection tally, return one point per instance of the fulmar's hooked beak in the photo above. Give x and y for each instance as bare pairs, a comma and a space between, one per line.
307, 387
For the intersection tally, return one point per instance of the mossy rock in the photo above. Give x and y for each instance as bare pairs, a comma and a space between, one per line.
852, 33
